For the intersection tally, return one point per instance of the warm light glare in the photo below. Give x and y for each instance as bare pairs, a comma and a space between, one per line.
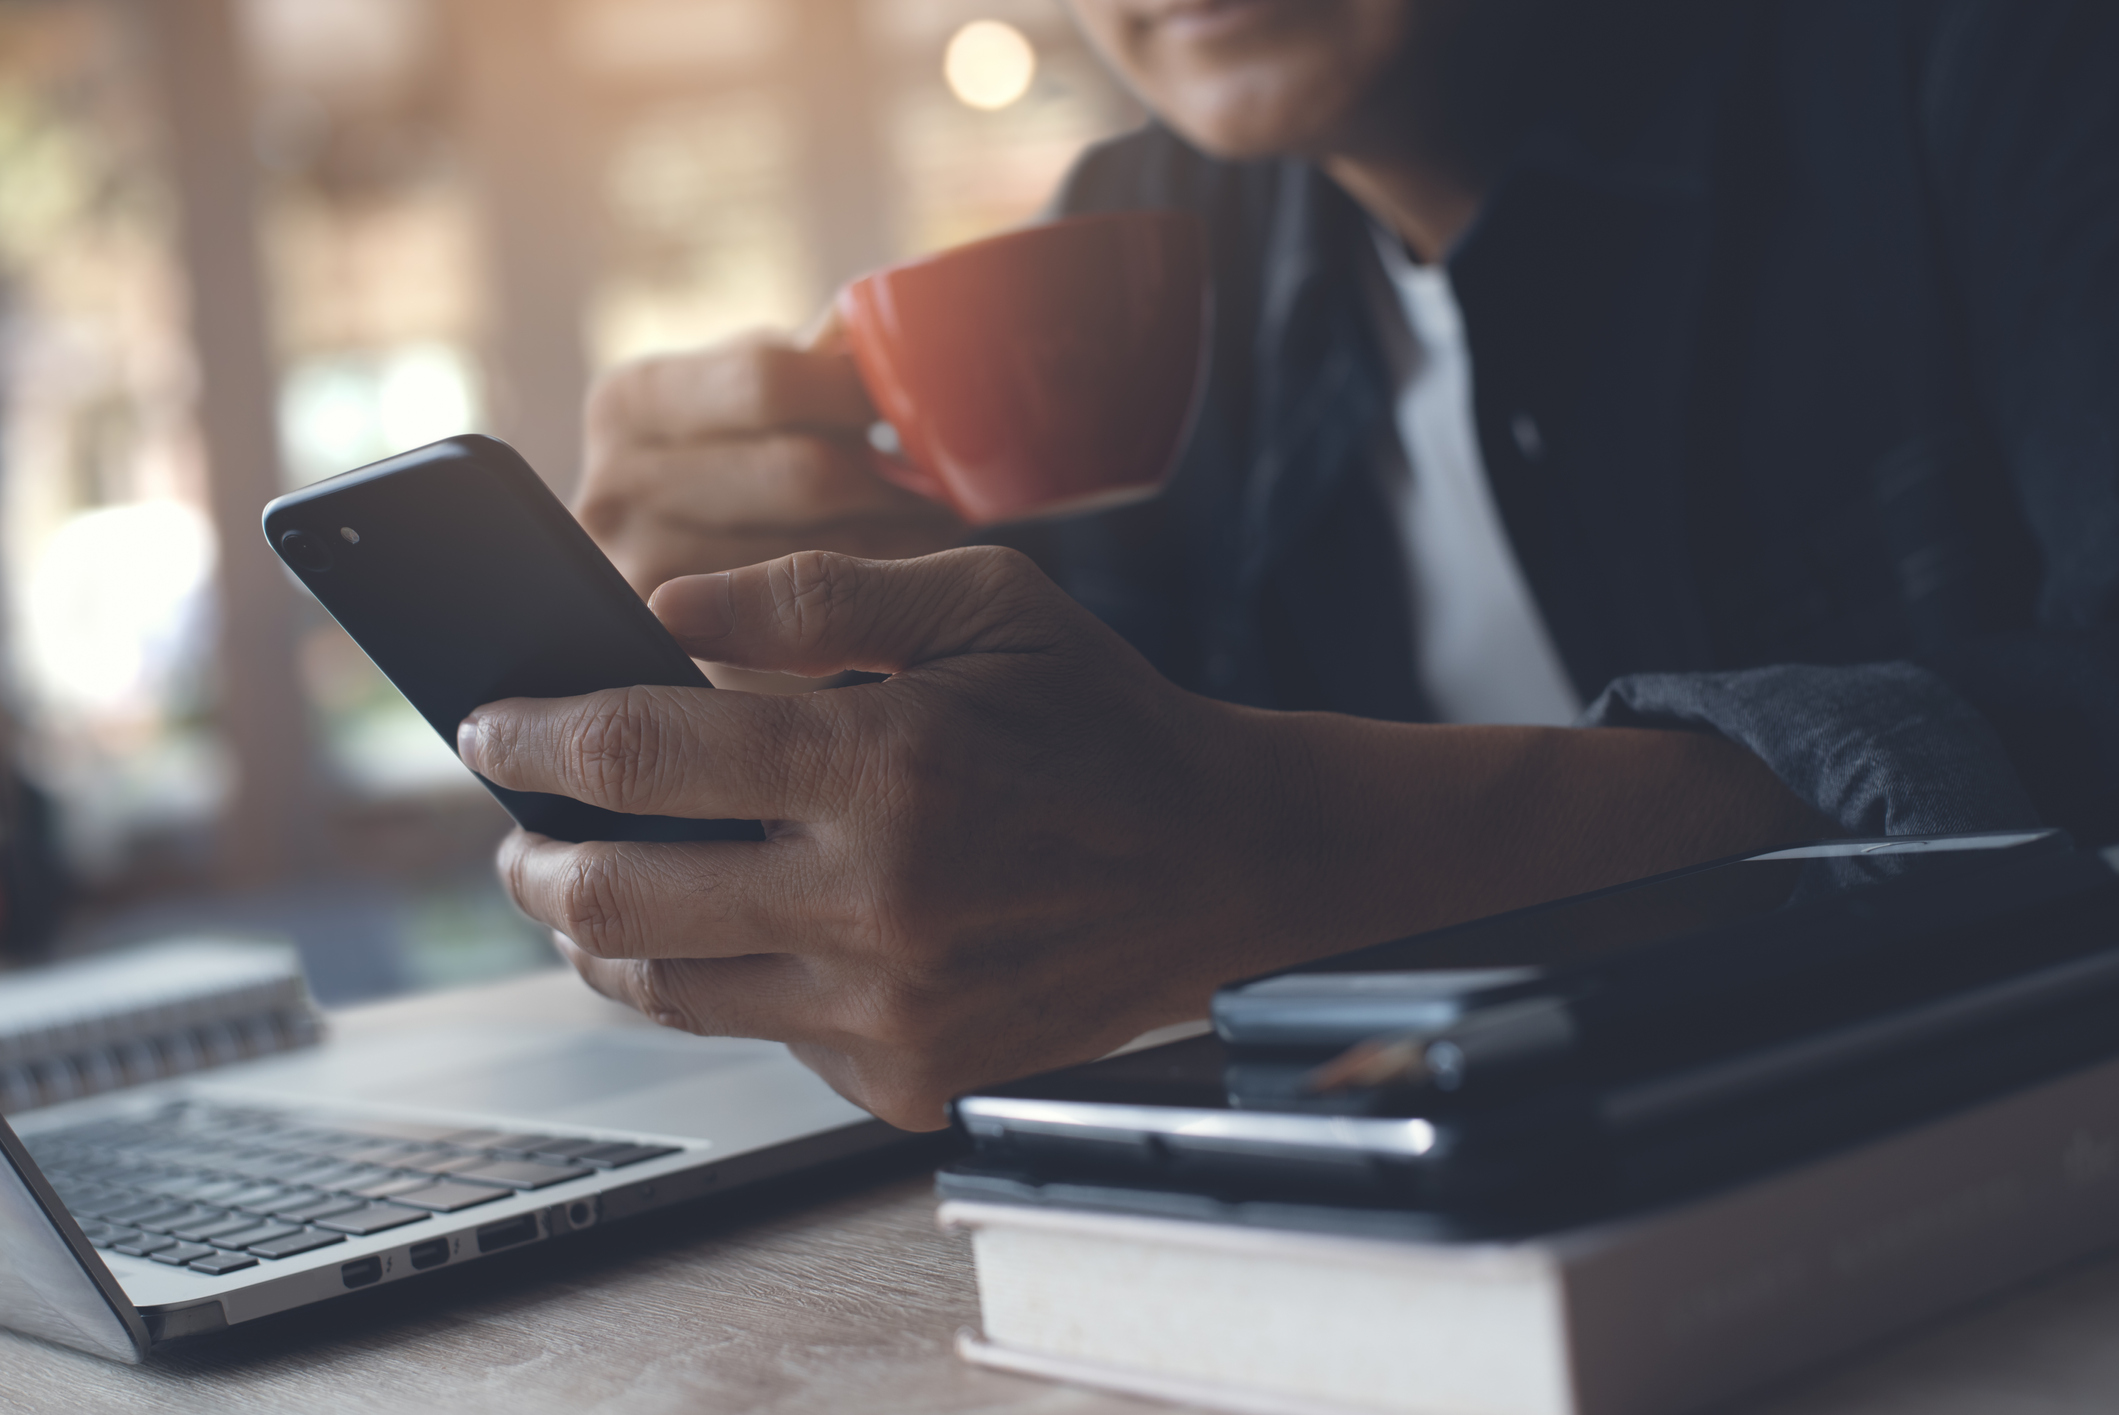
989, 65
116, 608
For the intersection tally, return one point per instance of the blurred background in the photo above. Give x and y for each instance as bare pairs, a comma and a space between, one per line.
245, 244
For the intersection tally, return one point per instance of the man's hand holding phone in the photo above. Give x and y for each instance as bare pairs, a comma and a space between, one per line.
1012, 854
1026, 846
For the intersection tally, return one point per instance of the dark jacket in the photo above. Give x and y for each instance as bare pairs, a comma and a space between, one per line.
1795, 329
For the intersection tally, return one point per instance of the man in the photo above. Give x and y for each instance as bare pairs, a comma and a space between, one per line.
1747, 369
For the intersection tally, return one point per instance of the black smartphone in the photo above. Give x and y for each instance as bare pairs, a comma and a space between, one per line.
461, 575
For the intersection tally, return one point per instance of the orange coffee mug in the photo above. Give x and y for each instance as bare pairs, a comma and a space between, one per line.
1051, 370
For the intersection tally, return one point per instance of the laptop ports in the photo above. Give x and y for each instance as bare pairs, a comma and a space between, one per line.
430, 1254
361, 1272
507, 1233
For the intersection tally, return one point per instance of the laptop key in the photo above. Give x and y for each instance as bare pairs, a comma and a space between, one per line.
142, 1209
560, 1151
216, 1191
143, 1244
393, 1185
265, 1198
100, 1202
257, 1233
301, 1242
112, 1237
372, 1219
448, 1196
182, 1254
521, 1174
619, 1156
448, 1163
219, 1263
162, 1216
189, 1188
478, 1139
383, 1152
316, 1208
190, 1218
341, 1179
507, 1143
288, 1169
208, 1229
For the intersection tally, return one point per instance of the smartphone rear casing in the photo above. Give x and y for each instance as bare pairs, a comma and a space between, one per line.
466, 581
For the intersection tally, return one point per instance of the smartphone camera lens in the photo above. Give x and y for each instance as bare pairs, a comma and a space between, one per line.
305, 551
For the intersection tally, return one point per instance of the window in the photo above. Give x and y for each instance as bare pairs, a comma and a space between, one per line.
462, 208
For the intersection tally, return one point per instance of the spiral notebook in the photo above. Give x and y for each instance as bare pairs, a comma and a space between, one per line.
119, 1019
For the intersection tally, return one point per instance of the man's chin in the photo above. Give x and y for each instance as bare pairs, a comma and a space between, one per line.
1243, 117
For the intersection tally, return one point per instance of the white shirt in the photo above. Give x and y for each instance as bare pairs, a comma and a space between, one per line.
1480, 647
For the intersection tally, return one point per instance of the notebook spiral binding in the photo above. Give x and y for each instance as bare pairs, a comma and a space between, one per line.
104, 1023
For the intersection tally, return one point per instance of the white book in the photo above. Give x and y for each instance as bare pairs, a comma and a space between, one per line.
1655, 1314
118, 1019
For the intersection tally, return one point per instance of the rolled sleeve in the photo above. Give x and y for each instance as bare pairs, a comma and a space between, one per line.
1880, 749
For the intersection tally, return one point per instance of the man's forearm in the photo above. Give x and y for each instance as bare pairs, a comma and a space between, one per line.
1389, 829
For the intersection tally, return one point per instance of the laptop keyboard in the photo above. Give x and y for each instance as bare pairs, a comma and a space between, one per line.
217, 1189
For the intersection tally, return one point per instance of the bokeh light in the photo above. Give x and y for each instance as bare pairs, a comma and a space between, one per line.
989, 65
116, 610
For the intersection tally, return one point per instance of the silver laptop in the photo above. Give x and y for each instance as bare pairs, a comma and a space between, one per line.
186, 1207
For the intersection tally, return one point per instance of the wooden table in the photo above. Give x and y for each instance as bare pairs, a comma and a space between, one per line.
837, 1294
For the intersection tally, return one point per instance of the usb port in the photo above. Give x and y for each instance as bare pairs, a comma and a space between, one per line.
507, 1234
361, 1272
430, 1254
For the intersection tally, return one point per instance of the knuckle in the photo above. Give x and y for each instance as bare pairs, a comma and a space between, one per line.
1008, 575
658, 993
1007, 593
1001, 563
611, 749
591, 903
812, 593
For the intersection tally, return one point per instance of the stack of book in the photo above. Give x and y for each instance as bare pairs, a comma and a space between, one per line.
1281, 1308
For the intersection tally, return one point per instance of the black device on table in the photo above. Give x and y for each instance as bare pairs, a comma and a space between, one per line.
1688, 1030
460, 573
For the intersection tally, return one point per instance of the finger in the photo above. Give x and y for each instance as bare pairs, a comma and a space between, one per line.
624, 900
815, 613
754, 385
689, 752
777, 483
766, 995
